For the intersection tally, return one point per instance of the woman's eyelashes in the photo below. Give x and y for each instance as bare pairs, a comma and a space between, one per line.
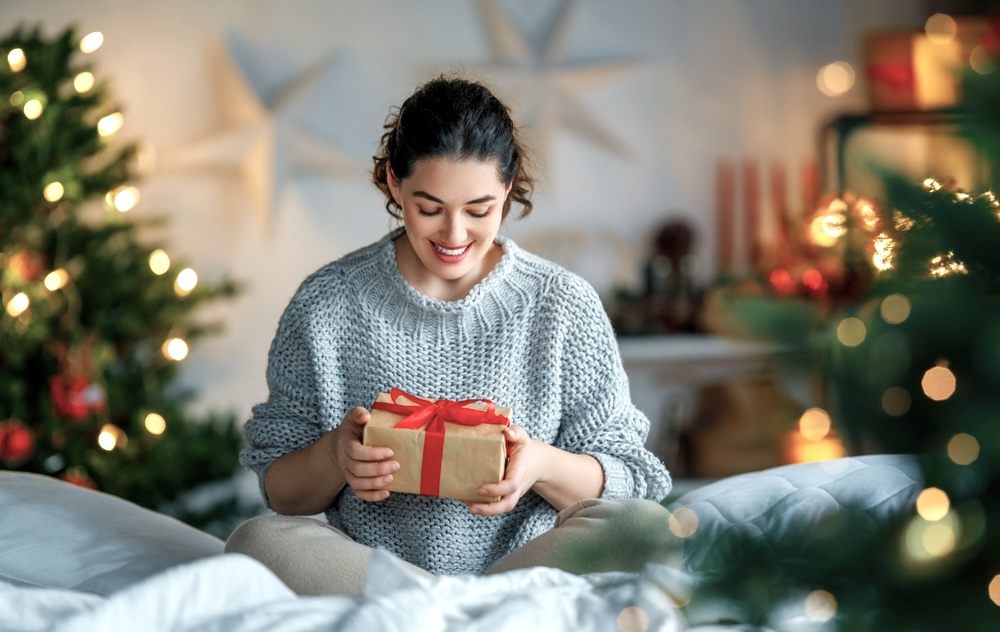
472, 213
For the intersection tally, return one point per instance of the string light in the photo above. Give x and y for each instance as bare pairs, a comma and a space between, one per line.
926, 541
186, 281
53, 191
946, 264
851, 331
981, 60
159, 262
110, 124
883, 246
16, 60
83, 82
932, 185
155, 424
895, 309
632, 619
941, 28
963, 449
820, 606
994, 589
815, 424
123, 198
111, 437
17, 99
33, 109
683, 522
835, 79
939, 382
175, 349
933, 504
17, 305
91, 42
55, 280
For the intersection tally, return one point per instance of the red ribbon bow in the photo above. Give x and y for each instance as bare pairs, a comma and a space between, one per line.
432, 415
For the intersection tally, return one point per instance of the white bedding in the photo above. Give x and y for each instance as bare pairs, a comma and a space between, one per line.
74, 559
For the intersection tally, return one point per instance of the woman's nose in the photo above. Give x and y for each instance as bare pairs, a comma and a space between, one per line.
454, 229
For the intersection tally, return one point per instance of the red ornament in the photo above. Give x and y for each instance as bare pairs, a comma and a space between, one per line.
75, 398
79, 477
17, 443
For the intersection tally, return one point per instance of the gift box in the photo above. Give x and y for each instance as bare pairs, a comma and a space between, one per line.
444, 448
908, 71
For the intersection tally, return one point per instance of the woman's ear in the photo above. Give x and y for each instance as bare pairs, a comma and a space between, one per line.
393, 184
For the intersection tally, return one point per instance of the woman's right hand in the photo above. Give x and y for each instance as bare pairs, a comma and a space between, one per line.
366, 469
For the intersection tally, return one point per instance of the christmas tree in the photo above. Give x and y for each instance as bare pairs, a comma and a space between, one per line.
912, 366
96, 318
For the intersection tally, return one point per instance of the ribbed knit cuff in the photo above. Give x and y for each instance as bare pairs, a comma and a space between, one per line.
618, 482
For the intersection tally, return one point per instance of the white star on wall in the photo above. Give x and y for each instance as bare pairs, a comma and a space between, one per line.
271, 135
545, 87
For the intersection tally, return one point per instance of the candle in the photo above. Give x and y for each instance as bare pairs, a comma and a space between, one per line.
779, 202
751, 210
725, 176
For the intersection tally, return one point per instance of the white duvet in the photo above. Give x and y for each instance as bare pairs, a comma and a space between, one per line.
234, 592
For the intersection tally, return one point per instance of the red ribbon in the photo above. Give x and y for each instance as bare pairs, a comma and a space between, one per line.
432, 415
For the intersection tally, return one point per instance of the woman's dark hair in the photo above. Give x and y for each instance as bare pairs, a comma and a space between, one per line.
457, 119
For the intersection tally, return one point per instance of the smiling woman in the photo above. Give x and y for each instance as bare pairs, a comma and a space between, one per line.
446, 308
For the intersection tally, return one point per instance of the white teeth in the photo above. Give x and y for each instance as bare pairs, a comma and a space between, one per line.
449, 251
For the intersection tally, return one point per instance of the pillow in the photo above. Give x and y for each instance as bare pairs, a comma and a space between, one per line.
57, 535
787, 502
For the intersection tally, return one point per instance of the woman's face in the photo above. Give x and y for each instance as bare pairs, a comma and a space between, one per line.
452, 211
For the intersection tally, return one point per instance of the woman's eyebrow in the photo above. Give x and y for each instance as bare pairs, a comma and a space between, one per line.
428, 196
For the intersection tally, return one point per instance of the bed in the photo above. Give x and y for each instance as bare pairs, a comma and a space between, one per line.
77, 559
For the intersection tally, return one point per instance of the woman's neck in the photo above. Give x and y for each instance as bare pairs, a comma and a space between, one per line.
433, 286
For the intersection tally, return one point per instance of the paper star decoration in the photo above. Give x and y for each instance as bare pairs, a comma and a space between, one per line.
271, 135
544, 86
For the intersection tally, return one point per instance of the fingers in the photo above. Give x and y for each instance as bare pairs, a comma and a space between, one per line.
507, 491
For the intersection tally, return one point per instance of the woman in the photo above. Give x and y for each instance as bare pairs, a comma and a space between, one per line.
444, 307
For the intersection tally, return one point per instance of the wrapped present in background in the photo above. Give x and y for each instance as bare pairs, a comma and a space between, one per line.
907, 70
444, 448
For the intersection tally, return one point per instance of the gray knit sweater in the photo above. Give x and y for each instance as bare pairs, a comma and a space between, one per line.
531, 335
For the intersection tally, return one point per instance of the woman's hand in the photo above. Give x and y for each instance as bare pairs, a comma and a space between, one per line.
520, 476
366, 469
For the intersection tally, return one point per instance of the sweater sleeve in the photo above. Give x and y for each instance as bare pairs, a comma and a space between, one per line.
599, 417
289, 419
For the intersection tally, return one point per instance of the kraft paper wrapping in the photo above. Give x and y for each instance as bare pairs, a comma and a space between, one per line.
472, 456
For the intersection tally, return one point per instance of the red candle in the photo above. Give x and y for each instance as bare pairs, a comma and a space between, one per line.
725, 177
779, 202
751, 209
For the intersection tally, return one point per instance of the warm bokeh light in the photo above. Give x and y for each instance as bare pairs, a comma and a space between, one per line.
814, 281
933, 504
939, 383
83, 82
943, 265
895, 309
932, 185
963, 449
926, 541
820, 605
55, 280
981, 60
159, 262
883, 245
123, 198
110, 124
782, 281
112, 437
851, 331
995, 589
632, 619
683, 522
53, 191
16, 60
33, 109
941, 28
896, 401
155, 424
91, 42
815, 424
175, 349
186, 281
835, 79
17, 98
18, 304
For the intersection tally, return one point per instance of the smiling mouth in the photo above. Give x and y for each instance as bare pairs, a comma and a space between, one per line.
451, 252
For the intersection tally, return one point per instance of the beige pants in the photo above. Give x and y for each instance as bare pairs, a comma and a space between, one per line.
592, 535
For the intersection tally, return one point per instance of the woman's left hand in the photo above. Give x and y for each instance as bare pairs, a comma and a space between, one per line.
521, 474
